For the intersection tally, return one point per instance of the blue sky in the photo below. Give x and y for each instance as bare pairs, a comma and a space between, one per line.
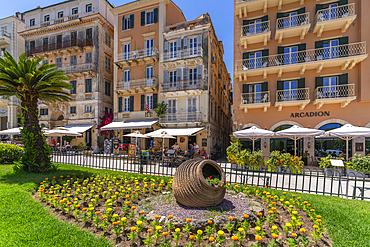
221, 12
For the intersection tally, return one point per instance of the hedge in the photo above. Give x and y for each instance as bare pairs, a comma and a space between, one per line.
10, 153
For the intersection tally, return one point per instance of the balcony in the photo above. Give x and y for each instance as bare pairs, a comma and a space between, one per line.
187, 87
181, 118
346, 56
87, 69
292, 26
255, 100
292, 97
68, 46
255, 33
340, 17
138, 57
5, 37
137, 86
192, 55
343, 94
242, 7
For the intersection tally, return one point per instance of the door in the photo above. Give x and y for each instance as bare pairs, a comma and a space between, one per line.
149, 47
172, 110
291, 20
291, 55
192, 78
330, 49
193, 47
173, 50
126, 51
149, 76
330, 87
255, 95
255, 27
88, 138
255, 60
126, 79
331, 12
192, 109
173, 80
290, 90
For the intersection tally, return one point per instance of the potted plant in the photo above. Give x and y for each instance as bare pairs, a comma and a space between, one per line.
358, 166
329, 170
214, 181
305, 157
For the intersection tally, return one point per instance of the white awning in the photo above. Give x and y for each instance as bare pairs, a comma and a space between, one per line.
177, 132
14, 131
79, 128
144, 124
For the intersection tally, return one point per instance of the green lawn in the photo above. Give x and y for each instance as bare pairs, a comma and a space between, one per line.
24, 222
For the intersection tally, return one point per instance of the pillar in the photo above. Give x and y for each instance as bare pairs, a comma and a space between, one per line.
358, 140
265, 150
309, 145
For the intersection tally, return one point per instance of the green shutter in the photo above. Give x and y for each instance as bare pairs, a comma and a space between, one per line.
264, 87
342, 2
319, 7
265, 59
279, 15
245, 22
319, 82
343, 40
301, 11
319, 44
280, 85
120, 104
301, 53
155, 100
265, 18
301, 47
301, 83
280, 50
245, 88
265, 53
343, 79
142, 102
131, 103
343, 48
132, 21
245, 55
155, 15
123, 22
143, 18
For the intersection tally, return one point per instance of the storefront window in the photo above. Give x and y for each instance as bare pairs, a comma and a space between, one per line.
332, 146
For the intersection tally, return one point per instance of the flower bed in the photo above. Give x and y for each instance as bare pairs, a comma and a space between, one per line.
109, 205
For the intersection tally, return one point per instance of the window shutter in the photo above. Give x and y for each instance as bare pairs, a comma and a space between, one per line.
123, 22
301, 47
265, 59
185, 43
178, 74
165, 76
264, 87
131, 21
343, 79
131, 103
279, 15
265, 53
342, 2
343, 49
120, 104
245, 55
166, 46
155, 100
319, 45
265, 18
143, 102
301, 53
280, 85
200, 71
155, 15
245, 88
319, 7
143, 18
302, 83
178, 43
319, 82
301, 11
280, 50
343, 41
185, 74
245, 22
199, 40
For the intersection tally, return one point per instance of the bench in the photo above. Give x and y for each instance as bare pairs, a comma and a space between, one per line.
362, 191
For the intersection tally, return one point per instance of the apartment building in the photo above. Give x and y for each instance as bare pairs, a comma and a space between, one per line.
301, 62
13, 43
77, 35
138, 34
196, 85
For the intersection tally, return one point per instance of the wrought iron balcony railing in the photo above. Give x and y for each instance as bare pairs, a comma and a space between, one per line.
255, 98
187, 117
60, 45
79, 68
292, 21
137, 84
182, 54
256, 28
307, 56
4, 33
185, 85
335, 13
335, 91
292, 95
137, 55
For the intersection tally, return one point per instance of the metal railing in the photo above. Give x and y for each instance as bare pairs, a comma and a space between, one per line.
255, 98
292, 94
335, 13
256, 28
307, 56
182, 54
335, 91
245, 1
60, 45
185, 85
139, 83
332, 182
187, 117
137, 54
4, 33
79, 68
293, 21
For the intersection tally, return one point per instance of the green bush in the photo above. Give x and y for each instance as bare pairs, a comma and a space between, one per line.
361, 164
285, 160
10, 153
325, 162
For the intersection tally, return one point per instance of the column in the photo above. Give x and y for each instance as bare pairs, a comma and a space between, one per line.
265, 148
309, 145
359, 141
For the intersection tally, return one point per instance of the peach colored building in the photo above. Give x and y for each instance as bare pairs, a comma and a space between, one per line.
301, 62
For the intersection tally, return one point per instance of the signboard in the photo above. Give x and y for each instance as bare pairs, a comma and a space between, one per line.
310, 114
131, 150
204, 142
359, 147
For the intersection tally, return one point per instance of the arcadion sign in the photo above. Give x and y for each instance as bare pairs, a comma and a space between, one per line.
310, 114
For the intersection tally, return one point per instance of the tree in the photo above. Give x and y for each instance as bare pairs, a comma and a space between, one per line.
31, 83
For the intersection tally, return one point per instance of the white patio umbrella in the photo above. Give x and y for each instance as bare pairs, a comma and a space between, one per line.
13, 131
136, 135
296, 133
348, 132
253, 134
61, 132
163, 135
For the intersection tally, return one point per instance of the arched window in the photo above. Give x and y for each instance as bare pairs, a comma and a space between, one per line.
283, 127
330, 126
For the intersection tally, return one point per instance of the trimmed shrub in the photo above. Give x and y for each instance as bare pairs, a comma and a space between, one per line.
10, 153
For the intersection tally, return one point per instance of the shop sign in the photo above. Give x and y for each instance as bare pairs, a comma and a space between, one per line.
310, 114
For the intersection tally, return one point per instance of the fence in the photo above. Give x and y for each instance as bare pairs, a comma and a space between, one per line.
308, 180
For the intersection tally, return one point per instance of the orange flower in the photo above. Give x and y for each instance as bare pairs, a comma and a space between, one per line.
133, 207
149, 230
275, 236
258, 238
308, 205
319, 220
259, 214
84, 209
284, 193
127, 203
316, 227
299, 198
246, 216
271, 212
170, 216
165, 233
230, 218
210, 221
97, 212
142, 212
156, 217
127, 196
293, 195
234, 238
318, 216
133, 229
211, 239
188, 220
294, 235
302, 230
192, 237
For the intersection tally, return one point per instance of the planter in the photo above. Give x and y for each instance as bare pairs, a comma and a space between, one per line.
355, 174
333, 172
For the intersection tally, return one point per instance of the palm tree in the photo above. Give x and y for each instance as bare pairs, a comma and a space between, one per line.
31, 83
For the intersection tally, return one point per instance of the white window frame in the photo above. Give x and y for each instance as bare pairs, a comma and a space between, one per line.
187, 104
126, 54
149, 75
172, 117
172, 49
149, 50
149, 101
193, 45
126, 23
126, 104
88, 109
146, 17
90, 6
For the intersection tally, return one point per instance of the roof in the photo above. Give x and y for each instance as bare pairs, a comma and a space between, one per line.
56, 4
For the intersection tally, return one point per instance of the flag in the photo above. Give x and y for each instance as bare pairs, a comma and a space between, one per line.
147, 108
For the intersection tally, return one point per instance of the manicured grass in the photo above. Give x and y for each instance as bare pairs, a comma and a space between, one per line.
24, 222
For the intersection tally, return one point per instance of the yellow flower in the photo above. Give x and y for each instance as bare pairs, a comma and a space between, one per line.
221, 233
302, 230
258, 228
288, 224
109, 209
177, 230
115, 215
241, 229
274, 227
294, 212
133, 229
200, 232
139, 223
158, 228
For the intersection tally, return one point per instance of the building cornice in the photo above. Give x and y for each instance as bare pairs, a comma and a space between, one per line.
137, 5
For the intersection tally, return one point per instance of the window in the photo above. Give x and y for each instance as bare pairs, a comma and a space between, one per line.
107, 88
291, 55
73, 59
149, 101
44, 112
88, 109
173, 50
149, 17
193, 46
126, 51
192, 76
126, 75
46, 18
73, 36
149, 43
290, 90
59, 62
192, 109
88, 86
255, 93
255, 60
173, 78
88, 58
74, 11
127, 22
45, 42
60, 14
107, 39
74, 87
59, 41
330, 49
210, 108
88, 8
107, 63
126, 104
149, 76
172, 110
89, 33
72, 110
32, 22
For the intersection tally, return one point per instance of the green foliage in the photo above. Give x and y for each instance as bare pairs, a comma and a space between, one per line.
82, 146
360, 164
285, 160
235, 154
214, 180
10, 153
161, 109
325, 162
